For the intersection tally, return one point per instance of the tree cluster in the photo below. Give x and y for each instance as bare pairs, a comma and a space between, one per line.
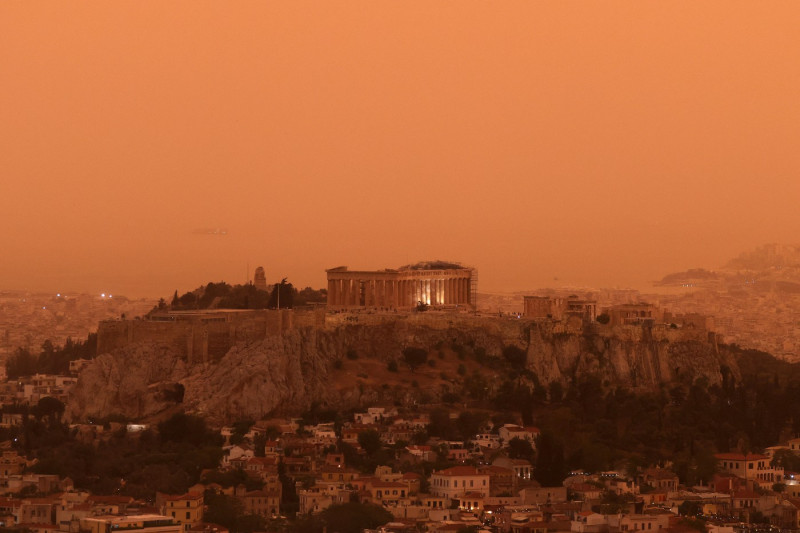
224, 296
51, 359
168, 460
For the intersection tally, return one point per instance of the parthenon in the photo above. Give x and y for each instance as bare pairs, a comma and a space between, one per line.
434, 283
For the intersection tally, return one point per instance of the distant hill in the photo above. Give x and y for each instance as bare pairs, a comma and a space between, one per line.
690, 276
754, 298
766, 257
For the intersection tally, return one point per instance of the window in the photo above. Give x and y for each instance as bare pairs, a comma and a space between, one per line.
188, 515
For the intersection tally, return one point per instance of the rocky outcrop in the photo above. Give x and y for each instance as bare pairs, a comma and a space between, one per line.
287, 374
625, 362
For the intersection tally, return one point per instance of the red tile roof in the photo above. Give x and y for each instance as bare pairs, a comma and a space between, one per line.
460, 471
741, 457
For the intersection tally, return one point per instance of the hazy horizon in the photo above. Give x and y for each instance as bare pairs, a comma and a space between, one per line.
555, 283
603, 144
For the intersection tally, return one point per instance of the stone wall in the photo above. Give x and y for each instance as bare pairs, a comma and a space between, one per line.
198, 340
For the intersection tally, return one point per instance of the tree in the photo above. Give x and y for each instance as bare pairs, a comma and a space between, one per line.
354, 517
49, 407
786, 459
520, 449
282, 296
240, 429
370, 441
290, 501
550, 468
441, 426
613, 503
689, 508
189, 429
229, 512
21, 363
469, 423
415, 357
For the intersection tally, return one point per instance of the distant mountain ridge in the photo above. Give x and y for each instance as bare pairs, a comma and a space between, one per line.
766, 257
769, 262
754, 298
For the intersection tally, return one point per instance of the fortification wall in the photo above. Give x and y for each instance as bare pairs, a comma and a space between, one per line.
199, 340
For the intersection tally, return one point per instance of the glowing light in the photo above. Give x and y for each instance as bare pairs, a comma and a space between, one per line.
110, 295
103, 295
59, 294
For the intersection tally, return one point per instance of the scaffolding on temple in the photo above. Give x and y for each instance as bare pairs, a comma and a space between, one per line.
473, 289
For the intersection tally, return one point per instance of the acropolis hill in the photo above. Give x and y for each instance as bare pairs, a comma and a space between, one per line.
232, 365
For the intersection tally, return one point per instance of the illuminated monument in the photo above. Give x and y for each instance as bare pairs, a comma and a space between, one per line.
434, 283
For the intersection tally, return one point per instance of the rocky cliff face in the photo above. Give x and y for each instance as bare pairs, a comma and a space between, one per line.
287, 374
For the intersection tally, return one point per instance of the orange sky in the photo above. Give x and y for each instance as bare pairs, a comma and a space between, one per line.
601, 143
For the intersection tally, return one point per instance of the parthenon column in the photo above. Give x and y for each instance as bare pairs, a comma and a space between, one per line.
387, 298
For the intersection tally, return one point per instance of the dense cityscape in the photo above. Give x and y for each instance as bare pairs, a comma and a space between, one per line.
399, 267
454, 429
